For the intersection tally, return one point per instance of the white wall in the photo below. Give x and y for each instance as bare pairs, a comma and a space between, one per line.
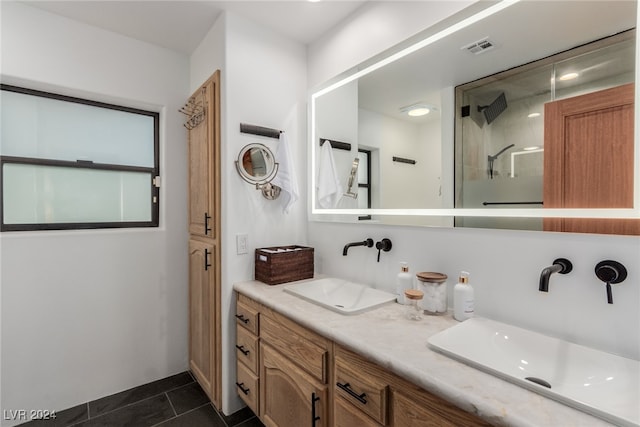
374, 27
90, 313
263, 83
504, 265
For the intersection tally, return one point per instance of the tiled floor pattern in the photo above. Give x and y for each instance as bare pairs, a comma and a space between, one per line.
176, 401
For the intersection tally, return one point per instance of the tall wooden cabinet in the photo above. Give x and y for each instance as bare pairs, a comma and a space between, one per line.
203, 124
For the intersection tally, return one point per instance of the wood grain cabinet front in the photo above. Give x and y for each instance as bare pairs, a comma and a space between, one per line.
247, 317
247, 384
347, 415
356, 384
247, 349
292, 377
290, 396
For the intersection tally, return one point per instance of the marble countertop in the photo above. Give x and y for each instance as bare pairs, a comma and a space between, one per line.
386, 337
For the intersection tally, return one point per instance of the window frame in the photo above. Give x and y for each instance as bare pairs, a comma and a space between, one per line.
367, 185
82, 164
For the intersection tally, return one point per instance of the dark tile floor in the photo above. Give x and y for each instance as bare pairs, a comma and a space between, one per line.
176, 401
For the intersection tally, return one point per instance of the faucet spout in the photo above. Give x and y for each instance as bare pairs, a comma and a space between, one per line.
368, 243
560, 265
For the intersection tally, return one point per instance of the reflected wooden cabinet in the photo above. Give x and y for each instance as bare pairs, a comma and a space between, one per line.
203, 124
589, 159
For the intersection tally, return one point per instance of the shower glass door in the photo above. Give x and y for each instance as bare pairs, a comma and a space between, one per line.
499, 152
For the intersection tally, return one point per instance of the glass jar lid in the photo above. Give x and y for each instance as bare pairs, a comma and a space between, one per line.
431, 277
413, 294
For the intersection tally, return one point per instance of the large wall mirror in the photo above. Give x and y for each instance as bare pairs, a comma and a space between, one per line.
439, 125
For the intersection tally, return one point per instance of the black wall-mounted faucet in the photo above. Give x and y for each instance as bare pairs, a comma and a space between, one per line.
560, 265
368, 243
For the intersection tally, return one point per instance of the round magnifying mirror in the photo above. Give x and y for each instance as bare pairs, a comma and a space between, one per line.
256, 164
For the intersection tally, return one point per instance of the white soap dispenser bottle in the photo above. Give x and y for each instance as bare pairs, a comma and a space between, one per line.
463, 298
404, 282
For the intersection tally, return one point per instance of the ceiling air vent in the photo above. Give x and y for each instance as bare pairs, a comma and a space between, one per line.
479, 46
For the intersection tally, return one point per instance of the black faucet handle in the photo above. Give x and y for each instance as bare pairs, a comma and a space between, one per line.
610, 272
383, 245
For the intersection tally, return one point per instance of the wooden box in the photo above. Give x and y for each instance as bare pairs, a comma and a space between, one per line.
281, 264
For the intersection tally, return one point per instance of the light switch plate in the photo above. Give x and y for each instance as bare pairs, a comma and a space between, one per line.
241, 243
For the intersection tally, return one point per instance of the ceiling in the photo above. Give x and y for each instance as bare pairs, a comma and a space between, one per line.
181, 24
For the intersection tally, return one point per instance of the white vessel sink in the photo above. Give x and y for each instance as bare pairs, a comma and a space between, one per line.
593, 381
340, 295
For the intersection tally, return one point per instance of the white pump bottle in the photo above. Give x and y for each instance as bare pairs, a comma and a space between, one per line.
463, 298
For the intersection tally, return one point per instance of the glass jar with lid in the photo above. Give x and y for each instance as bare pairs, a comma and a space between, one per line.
413, 297
434, 287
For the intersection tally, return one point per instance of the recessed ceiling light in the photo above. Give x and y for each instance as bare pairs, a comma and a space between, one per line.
417, 110
568, 76
532, 115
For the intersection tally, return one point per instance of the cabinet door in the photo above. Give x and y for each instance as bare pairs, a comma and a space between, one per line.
288, 395
204, 155
201, 317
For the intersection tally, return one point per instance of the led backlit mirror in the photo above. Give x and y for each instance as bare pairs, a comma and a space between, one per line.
412, 168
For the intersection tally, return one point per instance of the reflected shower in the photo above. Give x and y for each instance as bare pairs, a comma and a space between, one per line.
493, 110
490, 159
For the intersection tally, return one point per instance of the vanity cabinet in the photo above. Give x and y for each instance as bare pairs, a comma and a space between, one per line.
285, 380
247, 352
389, 400
304, 379
203, 124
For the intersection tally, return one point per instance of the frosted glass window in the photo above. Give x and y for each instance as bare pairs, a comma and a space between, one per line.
47, 194
72, 163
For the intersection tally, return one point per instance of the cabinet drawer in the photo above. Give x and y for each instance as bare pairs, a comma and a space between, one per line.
363, 390
247, 387
346, 415
247, 317
419, 408
247, 348
308, 355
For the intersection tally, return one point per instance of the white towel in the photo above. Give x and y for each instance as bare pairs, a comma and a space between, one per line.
328, 187
286, 176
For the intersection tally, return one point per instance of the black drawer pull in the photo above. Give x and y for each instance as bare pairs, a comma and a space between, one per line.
242, 389
241, 348
206, 259
314, 416
347, 387
207, 229
241, 318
